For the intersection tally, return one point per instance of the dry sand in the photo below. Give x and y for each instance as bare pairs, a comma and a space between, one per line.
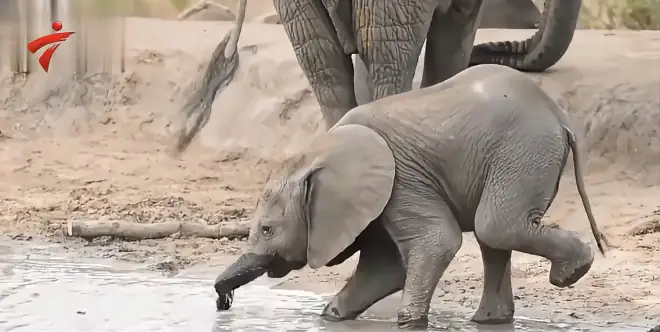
95, 148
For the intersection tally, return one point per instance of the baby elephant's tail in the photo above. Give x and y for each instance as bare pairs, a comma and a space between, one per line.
579, 181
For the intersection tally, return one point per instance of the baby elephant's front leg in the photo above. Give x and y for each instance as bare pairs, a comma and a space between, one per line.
430, 238
378, 274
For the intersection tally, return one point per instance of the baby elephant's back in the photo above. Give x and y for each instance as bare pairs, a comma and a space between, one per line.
482, 103
510, 108
512, 120
485, 91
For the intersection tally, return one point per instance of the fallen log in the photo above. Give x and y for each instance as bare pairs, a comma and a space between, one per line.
89, 229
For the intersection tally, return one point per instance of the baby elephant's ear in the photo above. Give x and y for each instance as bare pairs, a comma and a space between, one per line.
350, 186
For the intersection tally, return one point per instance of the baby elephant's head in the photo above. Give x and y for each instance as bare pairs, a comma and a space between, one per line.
315, 205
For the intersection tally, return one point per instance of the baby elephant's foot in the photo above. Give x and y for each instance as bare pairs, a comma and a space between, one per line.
333, 313
407, 321
493, 313
567, 273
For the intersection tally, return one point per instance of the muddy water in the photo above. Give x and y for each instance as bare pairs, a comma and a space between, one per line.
44, 292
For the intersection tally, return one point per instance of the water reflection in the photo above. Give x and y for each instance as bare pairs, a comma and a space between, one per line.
45, 293
259, 308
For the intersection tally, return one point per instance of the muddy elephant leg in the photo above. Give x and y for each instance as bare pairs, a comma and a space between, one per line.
379, 273
496, 306
429, 237
450, 39
389, 41
513, 202
320, 55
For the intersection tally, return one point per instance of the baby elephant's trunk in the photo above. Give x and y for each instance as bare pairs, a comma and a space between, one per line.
244, 270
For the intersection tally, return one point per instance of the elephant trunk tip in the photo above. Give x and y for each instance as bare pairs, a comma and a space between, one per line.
224, 301
245, 269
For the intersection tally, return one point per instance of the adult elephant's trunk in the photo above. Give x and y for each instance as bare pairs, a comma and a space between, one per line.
217, 76
244, 270
543, 49
236, 31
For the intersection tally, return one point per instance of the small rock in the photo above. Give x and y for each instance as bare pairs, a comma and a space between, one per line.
575, 315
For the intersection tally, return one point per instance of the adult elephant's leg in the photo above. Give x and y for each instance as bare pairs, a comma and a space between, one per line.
390, 35
364, 87
379, 273
450, 40
496, 306
320, 55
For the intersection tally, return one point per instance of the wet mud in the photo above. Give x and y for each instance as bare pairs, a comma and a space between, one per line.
42, 291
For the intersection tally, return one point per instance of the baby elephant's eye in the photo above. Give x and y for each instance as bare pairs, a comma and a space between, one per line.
266, 230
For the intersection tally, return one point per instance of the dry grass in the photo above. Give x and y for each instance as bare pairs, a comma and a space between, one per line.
167, 9
621, 14
595, 14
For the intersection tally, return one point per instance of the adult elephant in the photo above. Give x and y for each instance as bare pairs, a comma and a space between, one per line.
389, 39
497, 14
400, 179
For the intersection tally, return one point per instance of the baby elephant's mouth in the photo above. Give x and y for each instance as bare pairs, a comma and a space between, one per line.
279, 267
278, 273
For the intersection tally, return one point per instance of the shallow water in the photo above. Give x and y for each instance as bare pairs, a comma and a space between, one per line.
43, 292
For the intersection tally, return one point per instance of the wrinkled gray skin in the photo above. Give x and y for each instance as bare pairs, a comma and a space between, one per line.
401, 178
497, 14
389, 38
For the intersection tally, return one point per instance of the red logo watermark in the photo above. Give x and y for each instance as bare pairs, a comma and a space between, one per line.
57, 38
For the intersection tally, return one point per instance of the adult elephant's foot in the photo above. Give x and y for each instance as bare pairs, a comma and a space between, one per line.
407, 321
567, 273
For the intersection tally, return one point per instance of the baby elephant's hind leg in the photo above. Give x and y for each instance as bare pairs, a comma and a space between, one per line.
496, 306
515, 198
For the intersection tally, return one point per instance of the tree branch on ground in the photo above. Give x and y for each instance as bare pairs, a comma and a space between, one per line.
621, 14
89, 229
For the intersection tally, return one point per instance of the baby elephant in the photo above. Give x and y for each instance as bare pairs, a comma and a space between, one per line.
401, 178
